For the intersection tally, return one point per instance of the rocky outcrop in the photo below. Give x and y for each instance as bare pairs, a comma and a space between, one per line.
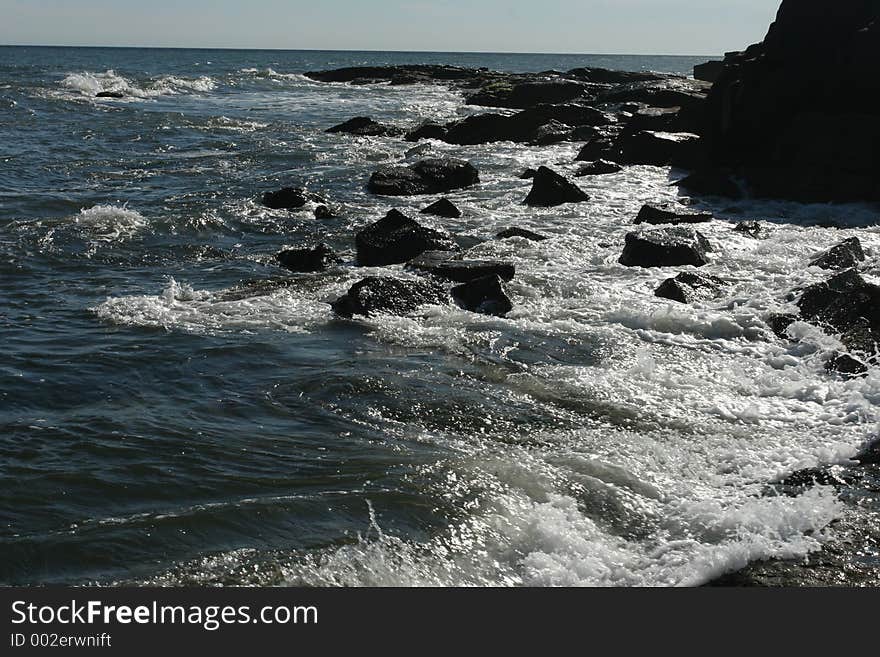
289, 198
666, 247
425, 177
315, 259
390, 296
688, 287
397, 239
364, 126
486, 295
598, 168
443, 208
666, 213
797, 115
644, 147
550, 189
520, 232
845, 255
709, 71
427, 130
846, 305
710, 182
448, 267
528, 94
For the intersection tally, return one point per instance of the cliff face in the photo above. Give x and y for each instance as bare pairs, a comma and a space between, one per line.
798, 115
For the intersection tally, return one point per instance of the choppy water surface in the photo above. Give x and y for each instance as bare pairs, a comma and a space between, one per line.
175, 408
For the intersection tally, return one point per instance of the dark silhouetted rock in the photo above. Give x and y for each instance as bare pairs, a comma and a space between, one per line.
656, 148
797, 115
396, 239
710, 182
307, 260
549, 189
364, 126
443, 208
446, 266
528, 94
779, 323
847, 305
391, 296
110, 94
520, 232
598, 148
688, 287
847, 254
709, 72
672, 92
427, 130
666, 247
750, 228
430, 176
325, 212
606, 76
598, 168
485, 295
528, 174
552, 132
289, 198
667, 213
846, 365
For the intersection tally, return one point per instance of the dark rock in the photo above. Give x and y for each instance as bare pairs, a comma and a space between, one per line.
307, 260
571, 114
709, 72
598, 168
409, 72
520, 232
325, 212
846, 365
396, 239
845, 255
666, 247
364, 126
848, 305
528, 94
110, 94
666, 213
443, 208
656, 148
798, 114
428, 130
550, 133
779, 323
688, 287
389, 296
750, 228
598, 148
448, 267
677, 92
485, 295
605, 76
549, 189
528, 174
710, 182
289, 198
425, 177
662, 119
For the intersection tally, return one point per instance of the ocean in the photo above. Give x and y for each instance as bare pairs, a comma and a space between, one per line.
177, 409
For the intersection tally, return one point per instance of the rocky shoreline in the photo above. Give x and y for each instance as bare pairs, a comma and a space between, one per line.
770, 125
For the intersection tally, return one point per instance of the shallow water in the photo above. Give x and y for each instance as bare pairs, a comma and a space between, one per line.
177, 409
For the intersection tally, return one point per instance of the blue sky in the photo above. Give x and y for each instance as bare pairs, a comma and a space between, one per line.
558, 26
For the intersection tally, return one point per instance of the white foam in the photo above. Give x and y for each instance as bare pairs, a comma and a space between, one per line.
89, 84
110, 223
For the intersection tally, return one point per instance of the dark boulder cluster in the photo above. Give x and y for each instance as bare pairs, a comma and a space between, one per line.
396, 239
364, 126
430, 176
797, 115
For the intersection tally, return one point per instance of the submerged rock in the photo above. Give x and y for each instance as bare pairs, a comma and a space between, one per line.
666, 213
307, 260
485, 295
845, 255
325, 212
598, 168
688, 287
750, 228
430, 176
520, 232
110, 94
443, 208
666, 247
448, 267
289, 198
364, 126
389, 296
396, 239
550, 189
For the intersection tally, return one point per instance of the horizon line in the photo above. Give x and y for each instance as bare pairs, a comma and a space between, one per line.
356, 50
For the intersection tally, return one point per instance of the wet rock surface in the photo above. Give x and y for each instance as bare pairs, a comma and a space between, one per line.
668, 213
688, 287
549, 189
666, 247
397, 239
375, 295
486, 295
430, 176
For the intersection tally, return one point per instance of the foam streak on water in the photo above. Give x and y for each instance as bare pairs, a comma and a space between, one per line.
175, 398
